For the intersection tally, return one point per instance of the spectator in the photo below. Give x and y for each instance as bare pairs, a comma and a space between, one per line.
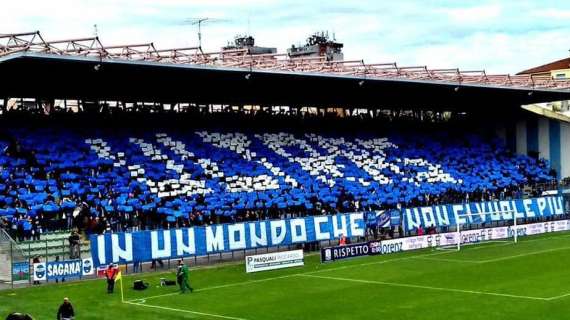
65, 311
74, 245
35, 260
342, 241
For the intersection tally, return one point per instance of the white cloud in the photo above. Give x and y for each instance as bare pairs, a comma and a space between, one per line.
477, 14
554, 13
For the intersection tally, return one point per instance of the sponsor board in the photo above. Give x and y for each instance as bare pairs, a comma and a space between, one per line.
20, 271
44, 271
442, 239
275, 260
348, 251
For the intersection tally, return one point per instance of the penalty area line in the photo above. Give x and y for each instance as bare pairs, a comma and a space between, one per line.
415, 286
184, 311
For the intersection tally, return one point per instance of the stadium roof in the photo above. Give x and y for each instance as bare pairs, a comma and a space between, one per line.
555, 65
85, 68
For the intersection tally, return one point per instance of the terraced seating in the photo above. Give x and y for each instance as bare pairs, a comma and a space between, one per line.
51, 245
222, 173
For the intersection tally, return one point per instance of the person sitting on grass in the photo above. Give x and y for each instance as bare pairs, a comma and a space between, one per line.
65, 311
182, 276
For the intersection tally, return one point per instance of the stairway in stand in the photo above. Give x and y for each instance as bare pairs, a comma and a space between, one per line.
5, 263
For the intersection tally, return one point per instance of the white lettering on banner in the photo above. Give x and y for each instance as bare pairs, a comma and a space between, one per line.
496, 214
336, 230
541, 205
157, 252
558, 206
214, 240
413, 218
101, 249
458, 212
181, 247
238, 229
278, 231
506, 210
298, 230
442, 215
260, 240
120, 253
427, 215
355, 229
468, 214
520, 214
481, 210
64, 269
527, 203
276, 260
319, 233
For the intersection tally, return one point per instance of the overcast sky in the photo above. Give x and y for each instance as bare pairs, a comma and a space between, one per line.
499, 36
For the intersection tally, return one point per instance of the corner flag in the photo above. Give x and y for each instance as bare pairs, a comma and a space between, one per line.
117, 278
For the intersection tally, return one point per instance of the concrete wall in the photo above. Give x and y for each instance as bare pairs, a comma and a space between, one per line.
550, 138
564, 150
543, 132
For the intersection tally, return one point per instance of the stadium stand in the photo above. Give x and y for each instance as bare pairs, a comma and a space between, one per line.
102, 180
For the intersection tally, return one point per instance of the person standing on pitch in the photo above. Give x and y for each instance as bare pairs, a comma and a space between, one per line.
110, 274
65, 311
182, 276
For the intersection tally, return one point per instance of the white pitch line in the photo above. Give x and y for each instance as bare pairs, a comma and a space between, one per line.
185, 311
446, 260
406, 285
524, 255
248, 282
559, 297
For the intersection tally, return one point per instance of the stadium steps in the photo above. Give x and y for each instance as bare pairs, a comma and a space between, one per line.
51, 245
5, 264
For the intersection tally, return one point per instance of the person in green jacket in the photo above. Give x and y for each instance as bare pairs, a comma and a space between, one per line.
182, 276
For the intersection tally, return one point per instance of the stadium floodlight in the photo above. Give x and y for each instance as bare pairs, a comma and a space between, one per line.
464, 236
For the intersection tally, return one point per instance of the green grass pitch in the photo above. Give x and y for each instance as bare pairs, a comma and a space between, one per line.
528, 280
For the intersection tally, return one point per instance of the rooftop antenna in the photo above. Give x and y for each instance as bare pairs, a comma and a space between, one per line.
198, 22
95, 31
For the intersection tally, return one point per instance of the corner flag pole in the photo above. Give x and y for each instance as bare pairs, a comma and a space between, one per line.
122, 294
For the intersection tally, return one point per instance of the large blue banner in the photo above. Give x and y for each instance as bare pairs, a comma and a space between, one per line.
482, 212
164, 244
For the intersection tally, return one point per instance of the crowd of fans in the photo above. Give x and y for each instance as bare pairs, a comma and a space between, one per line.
83, 213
